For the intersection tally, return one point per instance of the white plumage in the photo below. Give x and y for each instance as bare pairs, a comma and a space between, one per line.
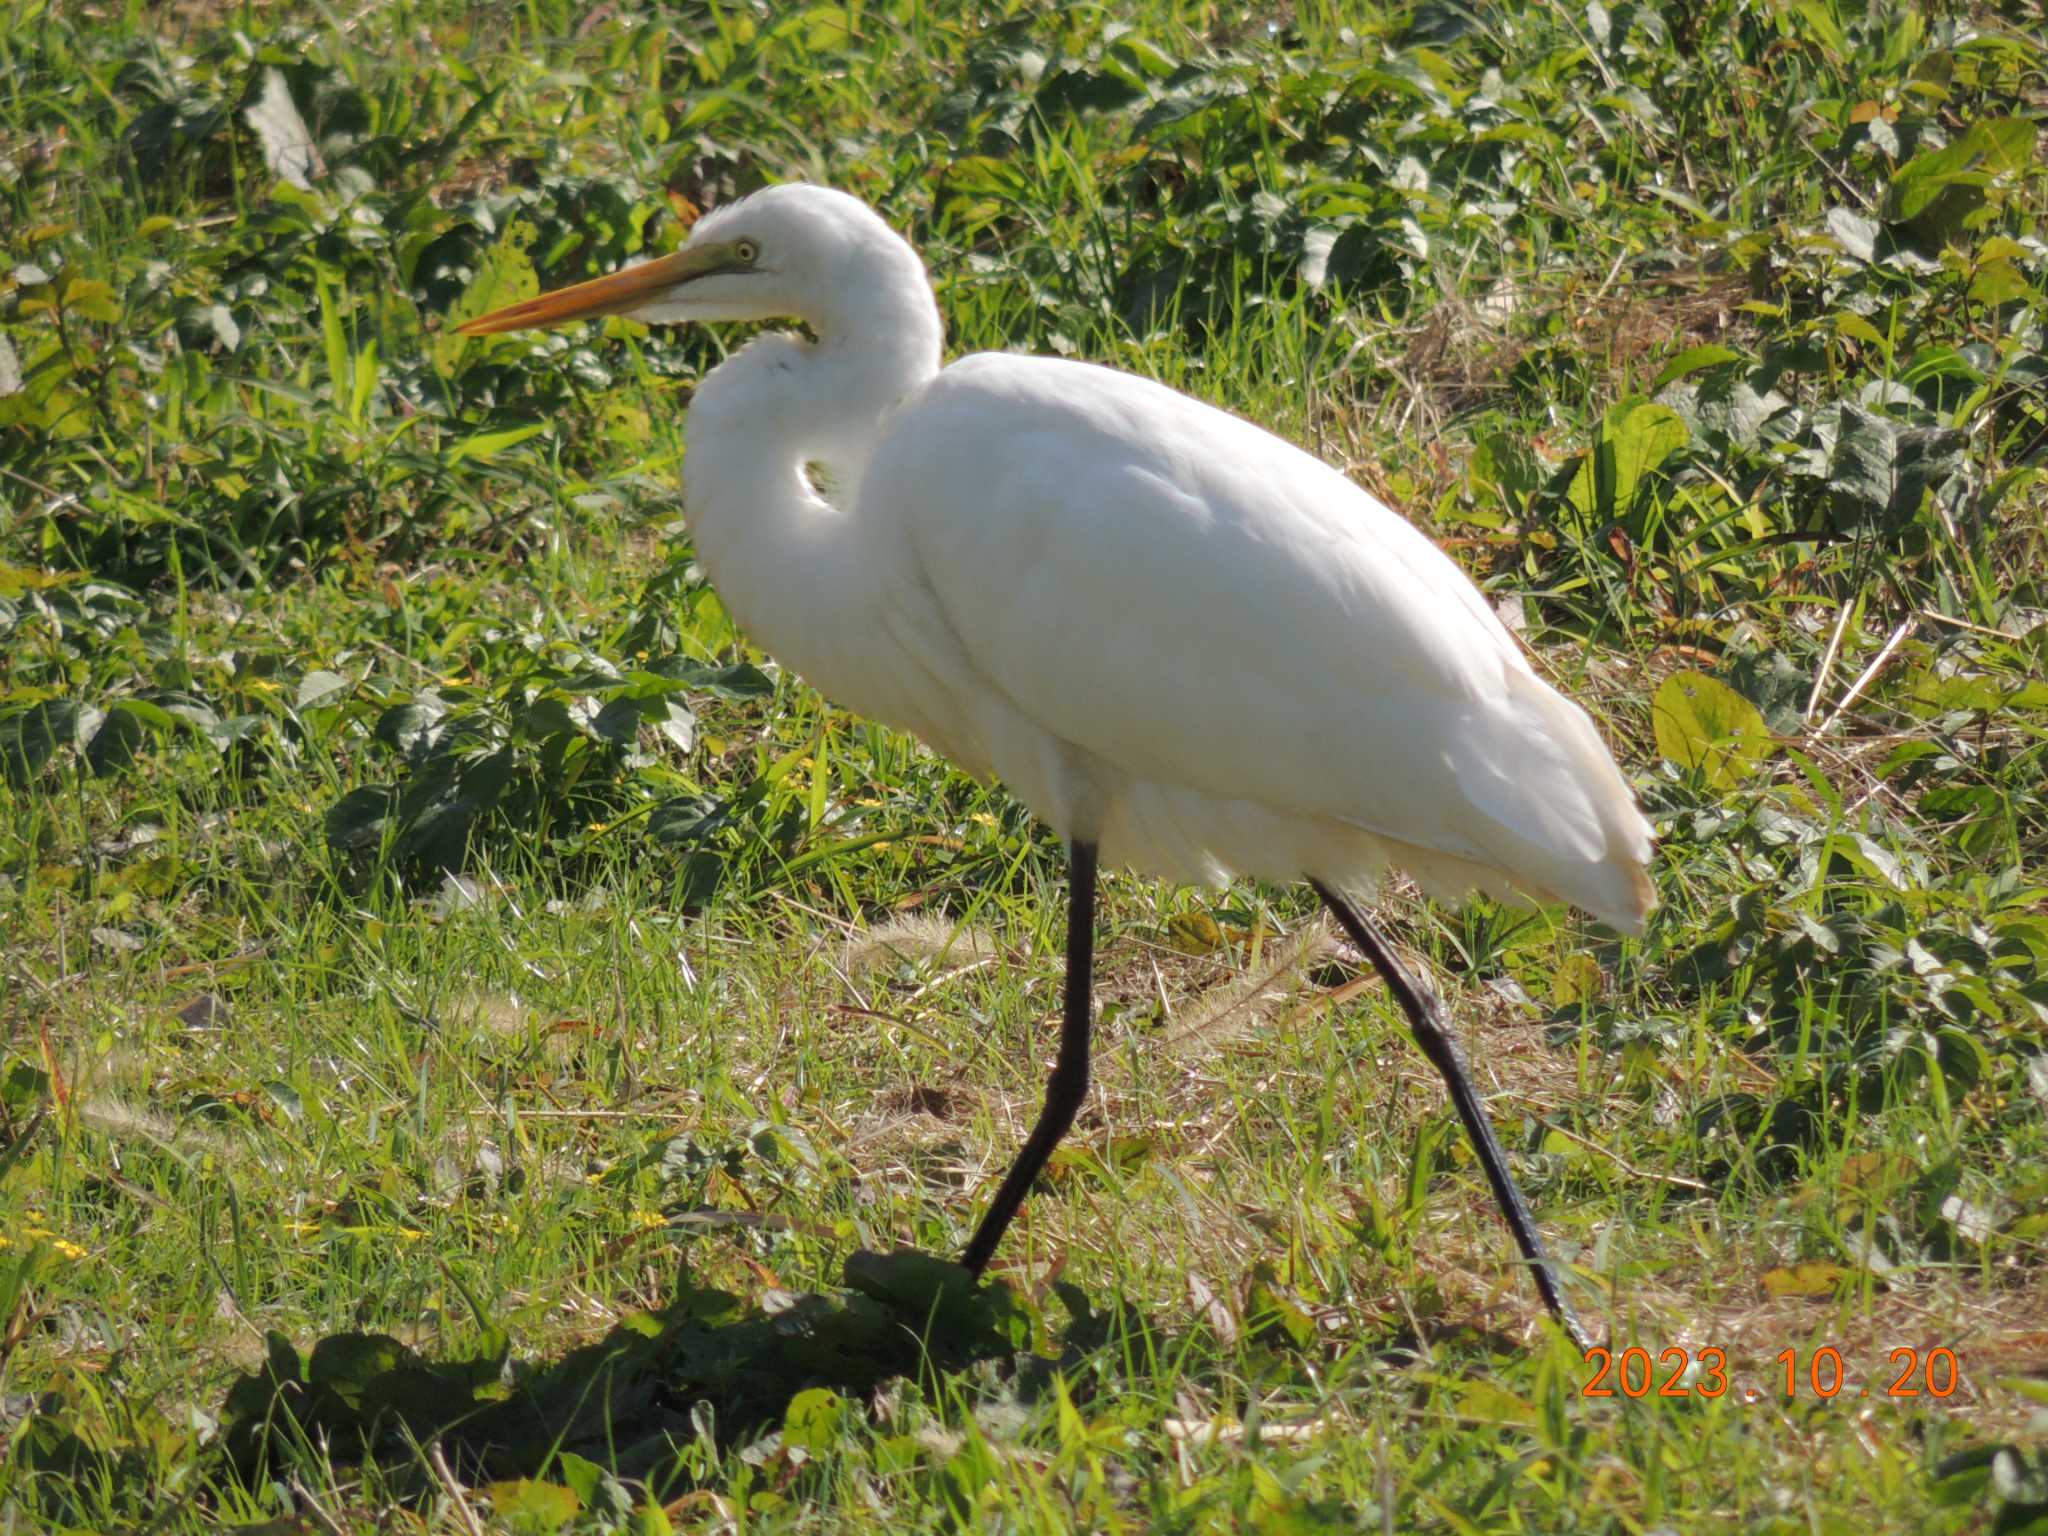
1178, 639
1167, 630
1171, 632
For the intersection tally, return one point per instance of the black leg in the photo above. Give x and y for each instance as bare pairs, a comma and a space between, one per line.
1069, 1082
1433, 1034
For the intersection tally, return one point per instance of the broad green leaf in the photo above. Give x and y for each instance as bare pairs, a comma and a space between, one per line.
115, 743
584, 1477
30, 737
1635, 438
2005, 145
1867, 856
1503, 467
814, 1419
350, 1362
504, 276
1822, 25
319, 687
359, 818
1704, 725
617, 722
741, 680
1880, 470
1991, 147
484, 444
1692, 360
410, 726
1273, 1313
687, 819
673, 720
1644, 439
826, 28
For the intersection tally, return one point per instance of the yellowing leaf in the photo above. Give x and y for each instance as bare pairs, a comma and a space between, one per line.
1486, 1403
1999, 282
93, 299
1705, 725
1811, 1278
1577, 979
1874, 1170
1856, 328
533, 1508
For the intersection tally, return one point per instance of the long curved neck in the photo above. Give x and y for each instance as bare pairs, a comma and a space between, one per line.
790, 565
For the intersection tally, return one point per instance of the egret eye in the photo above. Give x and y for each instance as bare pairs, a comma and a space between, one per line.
744, 251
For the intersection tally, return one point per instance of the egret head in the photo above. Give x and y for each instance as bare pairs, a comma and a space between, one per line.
793, 250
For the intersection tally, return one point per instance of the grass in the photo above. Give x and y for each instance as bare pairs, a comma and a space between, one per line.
471, 1023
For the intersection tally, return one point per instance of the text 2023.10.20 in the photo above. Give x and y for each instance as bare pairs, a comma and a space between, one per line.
1679, 1372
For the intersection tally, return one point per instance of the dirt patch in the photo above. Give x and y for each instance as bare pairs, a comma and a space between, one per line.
932, 1099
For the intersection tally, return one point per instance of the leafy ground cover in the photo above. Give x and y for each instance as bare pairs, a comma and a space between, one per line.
473, 1026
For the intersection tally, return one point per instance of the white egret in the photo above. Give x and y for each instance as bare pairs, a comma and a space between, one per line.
1188, 646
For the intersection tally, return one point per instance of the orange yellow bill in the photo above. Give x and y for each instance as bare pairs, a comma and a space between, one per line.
614, 294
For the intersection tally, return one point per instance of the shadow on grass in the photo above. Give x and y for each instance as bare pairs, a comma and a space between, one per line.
636, 1400
660, 1399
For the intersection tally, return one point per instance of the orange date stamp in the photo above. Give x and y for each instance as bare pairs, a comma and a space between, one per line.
1676, 1372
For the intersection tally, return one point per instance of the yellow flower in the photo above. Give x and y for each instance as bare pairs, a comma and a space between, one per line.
70, 1250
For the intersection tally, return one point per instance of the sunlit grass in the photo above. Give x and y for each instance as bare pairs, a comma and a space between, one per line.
1668, 328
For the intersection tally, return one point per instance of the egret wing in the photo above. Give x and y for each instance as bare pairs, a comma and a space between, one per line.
1187, 601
